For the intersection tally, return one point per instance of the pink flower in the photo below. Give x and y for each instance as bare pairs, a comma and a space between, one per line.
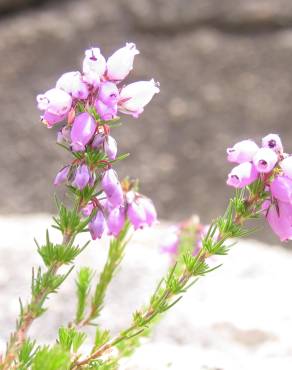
97, 226
106, 112
120, 63
72, 83
116, 220
110, 147
242, 175
108, 93
273, 142
94, 66
265, 160
82, 131
50, 119
279, 217
286, 166
62, 175
134, 97
281, 188
55, 101
242, 151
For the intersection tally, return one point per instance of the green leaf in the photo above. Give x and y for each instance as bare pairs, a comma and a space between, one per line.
83, 281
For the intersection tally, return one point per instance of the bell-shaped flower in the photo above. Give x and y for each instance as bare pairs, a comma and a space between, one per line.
82, 177
50, 119
55, 101
82, 131
134, 97
242, 151
106, 112
273, 142
279, 217
112, 188
72, 83
94, 66
286, 165
265, 160
137, 215
116, 220
242, 175
108, 93
150, 211
120, 63
281, 188
97, 226
62, 176
110, 147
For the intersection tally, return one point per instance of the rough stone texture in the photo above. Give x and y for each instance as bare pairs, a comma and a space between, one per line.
219, 84
238, 317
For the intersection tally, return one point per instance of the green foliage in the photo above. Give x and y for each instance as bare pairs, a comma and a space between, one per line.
69, 221
51, 358
70, 339
58, 254
83, 281
26, 354
101, 337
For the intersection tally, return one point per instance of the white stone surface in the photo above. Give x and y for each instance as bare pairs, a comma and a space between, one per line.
237, 318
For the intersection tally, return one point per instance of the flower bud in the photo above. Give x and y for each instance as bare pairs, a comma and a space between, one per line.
286, 166
279, 217
72, 83
82, 177
242, 151
105, 112
120, 63
273, 142
135, 96
64, 135
82, 131
108, 93
265, 160
97, 226
55, 101
94, 66
62, 175
281, 188
242, 175
116, 220
110, 147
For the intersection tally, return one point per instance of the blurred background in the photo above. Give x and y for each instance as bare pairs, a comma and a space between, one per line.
225, 69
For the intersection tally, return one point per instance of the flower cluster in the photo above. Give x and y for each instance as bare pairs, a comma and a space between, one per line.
97, 86
118, 202
270, 165
88, 103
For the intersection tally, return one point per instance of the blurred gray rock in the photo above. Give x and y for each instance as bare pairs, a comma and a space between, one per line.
176, 15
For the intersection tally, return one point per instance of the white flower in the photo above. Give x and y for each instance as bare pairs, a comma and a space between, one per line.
94, 66
120, 63
135, 96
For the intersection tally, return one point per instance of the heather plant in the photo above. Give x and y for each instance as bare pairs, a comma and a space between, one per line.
85, 106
